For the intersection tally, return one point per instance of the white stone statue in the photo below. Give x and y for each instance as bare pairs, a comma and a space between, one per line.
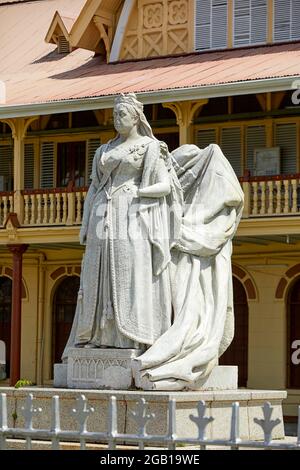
156, 274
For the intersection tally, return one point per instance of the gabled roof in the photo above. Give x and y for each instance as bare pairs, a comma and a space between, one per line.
59, 25
84, 31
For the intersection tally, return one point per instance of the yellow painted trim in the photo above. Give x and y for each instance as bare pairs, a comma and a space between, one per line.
139, 28
270, 21
191, 25
40, 235
269, 226
230, 16
269, 132
243, 149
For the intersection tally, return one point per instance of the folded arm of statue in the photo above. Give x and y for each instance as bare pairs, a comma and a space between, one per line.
161, 188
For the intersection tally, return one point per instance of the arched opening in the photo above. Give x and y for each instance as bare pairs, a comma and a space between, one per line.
5, 317
64, 305
293, 334
237, 353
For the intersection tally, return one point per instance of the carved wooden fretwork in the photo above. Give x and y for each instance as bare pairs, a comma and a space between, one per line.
105, 28
158, 27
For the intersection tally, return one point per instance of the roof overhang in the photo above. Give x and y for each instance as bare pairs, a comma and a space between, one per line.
151, 97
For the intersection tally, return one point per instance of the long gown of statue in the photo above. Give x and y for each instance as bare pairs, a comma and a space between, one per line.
201, 277
125, 296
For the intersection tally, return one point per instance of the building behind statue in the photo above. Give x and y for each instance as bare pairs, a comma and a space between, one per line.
207, 71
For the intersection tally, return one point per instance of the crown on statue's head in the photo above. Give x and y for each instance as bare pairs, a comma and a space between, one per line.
131, 99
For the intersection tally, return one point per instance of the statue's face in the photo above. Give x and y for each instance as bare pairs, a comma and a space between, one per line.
124, 121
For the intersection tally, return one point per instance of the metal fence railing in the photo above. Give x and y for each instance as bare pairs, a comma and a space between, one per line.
141, 440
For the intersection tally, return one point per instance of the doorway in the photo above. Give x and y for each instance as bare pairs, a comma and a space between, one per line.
5, 317
64, 306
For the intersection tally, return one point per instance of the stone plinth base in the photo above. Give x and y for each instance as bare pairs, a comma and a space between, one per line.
218, 406
97, 369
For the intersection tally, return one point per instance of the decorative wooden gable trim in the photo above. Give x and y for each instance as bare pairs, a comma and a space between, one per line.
58, 33
94, 28
158, 28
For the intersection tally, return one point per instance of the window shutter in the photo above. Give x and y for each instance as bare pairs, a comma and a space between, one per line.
286, 139
241, 22
219, 24
256, 138
231, 147
286, 20
282, 20
93, 144
205, 137
47, 165
29, 166
6, 167
295, 33
259, 20
250, 22
63, 45
210, 24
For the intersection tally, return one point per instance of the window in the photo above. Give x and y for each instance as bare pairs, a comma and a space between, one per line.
256, 138
250, 22
64, 306
231, 145
71, 164
286, 139
286, 20
211, 24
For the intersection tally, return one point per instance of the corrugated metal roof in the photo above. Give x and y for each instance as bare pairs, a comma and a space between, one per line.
35, 73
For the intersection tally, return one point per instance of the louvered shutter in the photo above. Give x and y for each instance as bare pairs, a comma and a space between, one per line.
205, 137
295, 33
219, 24
259, 21
250, 22
286, 139
47, 165
282, 20
210, 24
256, 138
93, 144
231, 147
286, 20
6, 167
29, 166
63, 45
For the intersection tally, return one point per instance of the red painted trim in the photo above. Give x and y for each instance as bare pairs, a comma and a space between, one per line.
16, 323
250, 289
281, 288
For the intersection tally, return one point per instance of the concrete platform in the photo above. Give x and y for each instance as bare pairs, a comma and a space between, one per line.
218, 404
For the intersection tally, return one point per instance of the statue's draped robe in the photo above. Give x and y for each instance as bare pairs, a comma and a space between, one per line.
125, 278
201, 278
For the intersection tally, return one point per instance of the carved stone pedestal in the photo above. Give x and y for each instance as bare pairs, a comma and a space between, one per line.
97, 369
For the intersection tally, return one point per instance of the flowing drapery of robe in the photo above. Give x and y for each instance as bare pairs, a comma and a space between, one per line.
125, 269
201, 277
